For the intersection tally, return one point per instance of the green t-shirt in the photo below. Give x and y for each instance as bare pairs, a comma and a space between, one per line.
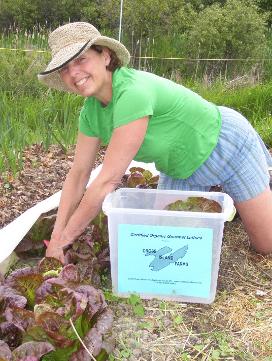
183, 127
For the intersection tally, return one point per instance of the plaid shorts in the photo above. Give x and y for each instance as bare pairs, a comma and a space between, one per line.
239, 162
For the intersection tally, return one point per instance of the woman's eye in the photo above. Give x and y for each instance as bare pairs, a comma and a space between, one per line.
63, 70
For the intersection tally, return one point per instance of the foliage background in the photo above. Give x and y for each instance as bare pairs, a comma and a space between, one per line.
231, 28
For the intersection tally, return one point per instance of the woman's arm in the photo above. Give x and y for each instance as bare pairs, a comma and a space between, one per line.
125, 143
73, 189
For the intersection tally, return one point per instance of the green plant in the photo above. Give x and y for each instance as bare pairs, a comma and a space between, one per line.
237, 21
27, 120
178, 320
137, 305
231, 31
224, 347
125, 353
185, 357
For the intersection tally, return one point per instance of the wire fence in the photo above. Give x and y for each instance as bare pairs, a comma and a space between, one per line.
248, 70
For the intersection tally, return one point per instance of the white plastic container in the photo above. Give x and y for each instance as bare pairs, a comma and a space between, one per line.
156, 253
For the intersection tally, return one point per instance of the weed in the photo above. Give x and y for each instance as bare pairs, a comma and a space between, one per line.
110, 297
137, 305
185, 357
178, 320
125, 353
145, 325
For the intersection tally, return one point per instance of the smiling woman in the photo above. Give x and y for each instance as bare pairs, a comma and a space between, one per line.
88, 76
193, 143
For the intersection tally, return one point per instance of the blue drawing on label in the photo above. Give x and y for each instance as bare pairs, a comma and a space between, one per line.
162, 260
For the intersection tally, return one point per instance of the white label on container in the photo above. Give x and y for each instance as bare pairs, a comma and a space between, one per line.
164, 260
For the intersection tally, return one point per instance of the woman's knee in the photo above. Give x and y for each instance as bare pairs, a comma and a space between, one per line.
256, 215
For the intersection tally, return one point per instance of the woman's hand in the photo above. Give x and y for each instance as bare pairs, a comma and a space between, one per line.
55, 246
55, 251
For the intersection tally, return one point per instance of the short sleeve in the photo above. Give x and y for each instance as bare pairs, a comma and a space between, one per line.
132, 103
85, 124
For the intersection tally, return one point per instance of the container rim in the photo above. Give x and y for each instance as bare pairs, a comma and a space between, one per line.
225, 215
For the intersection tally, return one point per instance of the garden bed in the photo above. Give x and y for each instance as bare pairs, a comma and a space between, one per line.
237, 326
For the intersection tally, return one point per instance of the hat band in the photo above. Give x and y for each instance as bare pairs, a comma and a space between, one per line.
66, 62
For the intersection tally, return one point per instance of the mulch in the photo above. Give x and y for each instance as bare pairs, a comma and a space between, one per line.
43, 174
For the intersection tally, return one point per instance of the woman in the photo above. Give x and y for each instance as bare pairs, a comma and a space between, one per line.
141, 116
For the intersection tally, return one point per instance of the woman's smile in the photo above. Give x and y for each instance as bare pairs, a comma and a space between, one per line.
82, 81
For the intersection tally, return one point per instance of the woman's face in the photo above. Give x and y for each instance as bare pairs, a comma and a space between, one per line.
87, 75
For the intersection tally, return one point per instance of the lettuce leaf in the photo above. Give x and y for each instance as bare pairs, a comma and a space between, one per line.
10, 298
26, 281
31, 351
5, 352
20, 317
11, 334
195, 204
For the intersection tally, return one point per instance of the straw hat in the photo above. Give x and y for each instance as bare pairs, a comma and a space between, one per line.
70, 41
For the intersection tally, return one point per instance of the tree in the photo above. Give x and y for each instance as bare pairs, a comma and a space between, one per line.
235, 30
26, 14
103, 14
266, 8
157, 17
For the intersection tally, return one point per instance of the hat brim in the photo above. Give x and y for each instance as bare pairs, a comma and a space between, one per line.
52, 67
51, 76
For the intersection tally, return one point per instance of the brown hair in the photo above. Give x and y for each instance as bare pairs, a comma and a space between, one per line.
115, 61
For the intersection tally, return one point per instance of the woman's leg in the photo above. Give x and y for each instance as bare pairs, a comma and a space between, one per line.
256, 215
240, 164
250, 190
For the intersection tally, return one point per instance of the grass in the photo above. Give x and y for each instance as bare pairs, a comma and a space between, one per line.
254, 102
17, 39
30, 113
26, 120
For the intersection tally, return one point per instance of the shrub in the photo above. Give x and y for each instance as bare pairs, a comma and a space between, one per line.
234, 30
